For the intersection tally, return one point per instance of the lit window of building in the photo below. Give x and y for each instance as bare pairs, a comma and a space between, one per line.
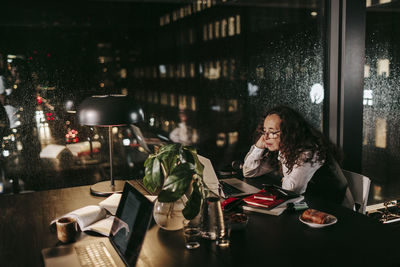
102, 85
199, 5
124, 91
380, 133
225, 68
183, 70
206, 70
167, 19
164, 99
260, 72
205, 36
171, 71
214, 71
237, 24
123, 73
172, 101
208, 3
104, 69
383, 67
221, 139
233, 138
231, 27
210, 31
367, 69
101, 60
193, 103
216, 29
232, 69
181, 12
224, 25
163, 71
192, 70
174, 16
368, 98
232, 105
177, 71
182, 100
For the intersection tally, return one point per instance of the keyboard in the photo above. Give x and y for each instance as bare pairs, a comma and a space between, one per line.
95, 254
229, 189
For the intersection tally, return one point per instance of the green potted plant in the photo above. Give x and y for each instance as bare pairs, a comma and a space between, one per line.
175, 173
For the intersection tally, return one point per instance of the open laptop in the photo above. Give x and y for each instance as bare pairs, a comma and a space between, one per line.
230, 187
121, 248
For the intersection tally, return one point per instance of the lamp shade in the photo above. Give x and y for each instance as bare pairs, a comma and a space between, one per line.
109, 110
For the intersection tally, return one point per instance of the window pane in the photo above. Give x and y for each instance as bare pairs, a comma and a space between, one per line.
381, 137
217, 65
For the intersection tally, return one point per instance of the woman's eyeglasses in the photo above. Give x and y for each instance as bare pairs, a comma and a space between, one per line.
270, 134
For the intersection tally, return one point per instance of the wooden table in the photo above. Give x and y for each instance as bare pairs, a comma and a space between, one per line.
355, 240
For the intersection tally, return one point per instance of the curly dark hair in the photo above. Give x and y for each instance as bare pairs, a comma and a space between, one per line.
298, 136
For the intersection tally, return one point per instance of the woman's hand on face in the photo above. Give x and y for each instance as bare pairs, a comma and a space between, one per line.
261, 142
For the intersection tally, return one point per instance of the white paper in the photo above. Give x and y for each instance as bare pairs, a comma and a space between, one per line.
102, 227
86, 216
111, 203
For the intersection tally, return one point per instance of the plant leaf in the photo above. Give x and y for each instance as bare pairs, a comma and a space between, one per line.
198, 166
153, 178
169, 155
187, 155
177, 183
192, 207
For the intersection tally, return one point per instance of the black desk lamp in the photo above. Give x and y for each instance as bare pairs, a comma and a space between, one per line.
109, 111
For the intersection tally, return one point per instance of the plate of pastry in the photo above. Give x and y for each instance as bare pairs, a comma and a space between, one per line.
317, 219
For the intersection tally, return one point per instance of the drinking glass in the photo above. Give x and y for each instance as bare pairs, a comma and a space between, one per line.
191, 233
223, 232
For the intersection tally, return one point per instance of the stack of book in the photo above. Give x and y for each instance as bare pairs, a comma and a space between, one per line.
271, 201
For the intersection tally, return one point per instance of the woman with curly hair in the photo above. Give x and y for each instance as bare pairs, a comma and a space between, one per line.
304, 157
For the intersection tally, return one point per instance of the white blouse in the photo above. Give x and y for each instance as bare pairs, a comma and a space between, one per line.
255, 165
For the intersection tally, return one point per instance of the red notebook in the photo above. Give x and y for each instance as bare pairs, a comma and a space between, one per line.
263, 199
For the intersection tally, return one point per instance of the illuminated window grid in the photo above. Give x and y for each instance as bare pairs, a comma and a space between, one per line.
231, 26
233, 138
216, 29
182, 102
224, 25
192, 70
172, 100
238, 26
210, 31
193, 103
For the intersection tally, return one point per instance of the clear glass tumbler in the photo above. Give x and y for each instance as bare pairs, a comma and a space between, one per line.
191, 233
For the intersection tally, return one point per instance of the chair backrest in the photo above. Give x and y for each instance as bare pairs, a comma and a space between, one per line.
359, 188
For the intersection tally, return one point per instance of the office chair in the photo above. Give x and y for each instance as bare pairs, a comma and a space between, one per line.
359, 188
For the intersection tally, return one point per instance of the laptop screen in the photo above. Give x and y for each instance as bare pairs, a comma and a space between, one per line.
131, 223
